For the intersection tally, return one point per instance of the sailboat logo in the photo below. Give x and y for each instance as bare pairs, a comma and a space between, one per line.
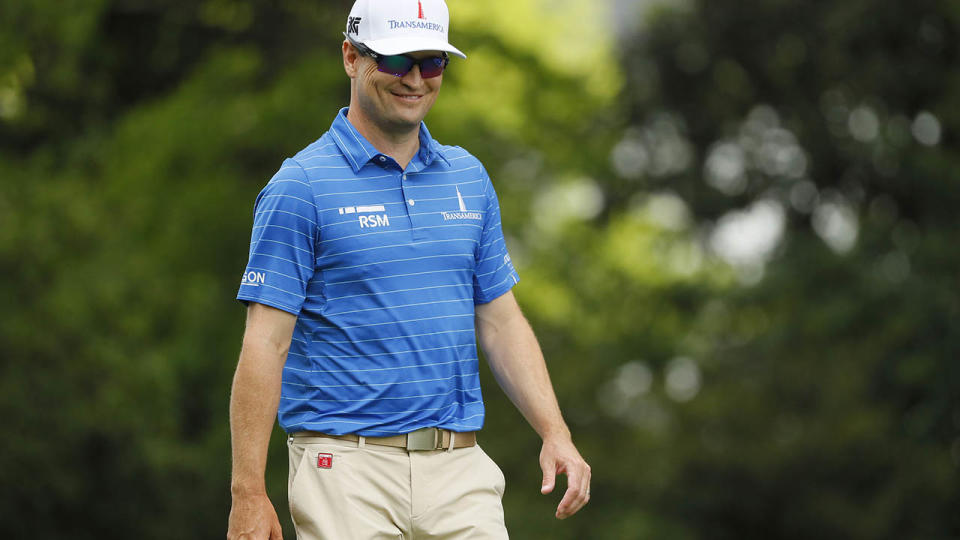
420, 5
464, 213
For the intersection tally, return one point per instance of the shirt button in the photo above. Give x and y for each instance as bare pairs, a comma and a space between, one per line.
382, 159
411, 202
404, 177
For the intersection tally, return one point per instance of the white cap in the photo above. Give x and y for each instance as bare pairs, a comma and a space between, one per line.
401, 26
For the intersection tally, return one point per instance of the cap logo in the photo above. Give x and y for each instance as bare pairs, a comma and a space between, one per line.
353, 25
425, 25
420, 5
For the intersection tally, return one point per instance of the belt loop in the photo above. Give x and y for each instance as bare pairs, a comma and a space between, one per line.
453, 435
361, 441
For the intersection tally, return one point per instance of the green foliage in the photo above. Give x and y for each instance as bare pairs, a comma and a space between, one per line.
830, 407
809, 393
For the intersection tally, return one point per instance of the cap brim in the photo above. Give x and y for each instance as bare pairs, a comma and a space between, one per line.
405, 45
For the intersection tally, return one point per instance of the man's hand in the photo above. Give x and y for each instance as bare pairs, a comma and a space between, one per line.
560, 456
253, 517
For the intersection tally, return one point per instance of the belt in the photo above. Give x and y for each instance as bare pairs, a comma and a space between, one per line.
422, 439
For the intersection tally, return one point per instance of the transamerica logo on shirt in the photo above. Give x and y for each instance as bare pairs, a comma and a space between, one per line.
463, 213
447, 216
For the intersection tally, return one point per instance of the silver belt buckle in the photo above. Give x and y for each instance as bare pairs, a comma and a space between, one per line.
423, 439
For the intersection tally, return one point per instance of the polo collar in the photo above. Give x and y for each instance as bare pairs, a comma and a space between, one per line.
358, 150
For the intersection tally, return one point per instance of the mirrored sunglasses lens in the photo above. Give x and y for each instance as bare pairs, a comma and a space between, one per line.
395, 65
431, 67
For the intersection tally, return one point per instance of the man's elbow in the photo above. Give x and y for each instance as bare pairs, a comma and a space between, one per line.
268, 331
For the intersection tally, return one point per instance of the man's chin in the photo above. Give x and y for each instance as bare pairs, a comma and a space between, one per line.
410, 113
405, 122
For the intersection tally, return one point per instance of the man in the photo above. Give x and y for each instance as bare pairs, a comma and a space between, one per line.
377, 260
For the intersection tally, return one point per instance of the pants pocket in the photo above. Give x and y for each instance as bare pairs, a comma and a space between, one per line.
299, 455
501, 482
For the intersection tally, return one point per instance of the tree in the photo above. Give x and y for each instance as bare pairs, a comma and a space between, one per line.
830, 402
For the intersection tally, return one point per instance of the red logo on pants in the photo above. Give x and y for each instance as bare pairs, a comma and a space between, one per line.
325, 461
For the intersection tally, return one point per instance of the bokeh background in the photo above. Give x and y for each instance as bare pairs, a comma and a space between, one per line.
736, 224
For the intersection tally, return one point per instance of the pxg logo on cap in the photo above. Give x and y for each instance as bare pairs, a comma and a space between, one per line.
353, 25
391, 27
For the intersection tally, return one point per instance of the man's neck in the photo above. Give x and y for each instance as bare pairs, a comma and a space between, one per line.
401, 146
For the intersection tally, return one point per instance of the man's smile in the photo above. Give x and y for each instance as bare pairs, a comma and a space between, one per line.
412, 98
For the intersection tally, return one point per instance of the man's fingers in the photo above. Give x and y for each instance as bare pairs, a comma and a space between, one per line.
577, 500
549, 476
563, 510
571, 497
277, 532
559, 456
578, 491
584, 491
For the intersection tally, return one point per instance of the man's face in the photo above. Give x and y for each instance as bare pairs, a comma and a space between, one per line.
394, 104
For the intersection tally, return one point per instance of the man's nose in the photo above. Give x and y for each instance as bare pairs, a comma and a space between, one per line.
413, 77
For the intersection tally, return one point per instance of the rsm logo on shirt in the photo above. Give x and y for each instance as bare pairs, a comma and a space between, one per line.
368, 221
379, 220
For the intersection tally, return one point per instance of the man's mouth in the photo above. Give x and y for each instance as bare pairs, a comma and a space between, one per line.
412, 98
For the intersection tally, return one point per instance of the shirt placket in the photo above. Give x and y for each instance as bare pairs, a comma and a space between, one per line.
418, 232
389, 165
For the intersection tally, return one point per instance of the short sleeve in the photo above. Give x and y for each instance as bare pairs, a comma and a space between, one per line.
494, 274
283, 241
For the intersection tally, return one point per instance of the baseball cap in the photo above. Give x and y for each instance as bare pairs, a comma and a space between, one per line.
401, 26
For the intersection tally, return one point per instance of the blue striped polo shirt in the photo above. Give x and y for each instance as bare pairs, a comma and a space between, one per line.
383, 268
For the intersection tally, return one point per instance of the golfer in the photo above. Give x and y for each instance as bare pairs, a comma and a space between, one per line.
377, 261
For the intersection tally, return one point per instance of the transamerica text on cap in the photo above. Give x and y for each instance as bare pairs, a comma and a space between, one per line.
415, 24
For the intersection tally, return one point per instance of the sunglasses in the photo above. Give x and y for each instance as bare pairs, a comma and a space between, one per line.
399, 65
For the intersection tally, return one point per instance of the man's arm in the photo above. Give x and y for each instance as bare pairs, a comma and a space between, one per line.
253, 410
517, 363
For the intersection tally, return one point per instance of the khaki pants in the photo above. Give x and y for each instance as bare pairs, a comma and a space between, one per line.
341, 491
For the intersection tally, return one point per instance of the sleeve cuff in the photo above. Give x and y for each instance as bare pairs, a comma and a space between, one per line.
245, 299
496, 292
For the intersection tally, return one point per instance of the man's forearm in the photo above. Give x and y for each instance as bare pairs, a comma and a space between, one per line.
253, 409
518, 365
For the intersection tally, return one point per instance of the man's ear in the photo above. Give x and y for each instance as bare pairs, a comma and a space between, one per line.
350, 59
